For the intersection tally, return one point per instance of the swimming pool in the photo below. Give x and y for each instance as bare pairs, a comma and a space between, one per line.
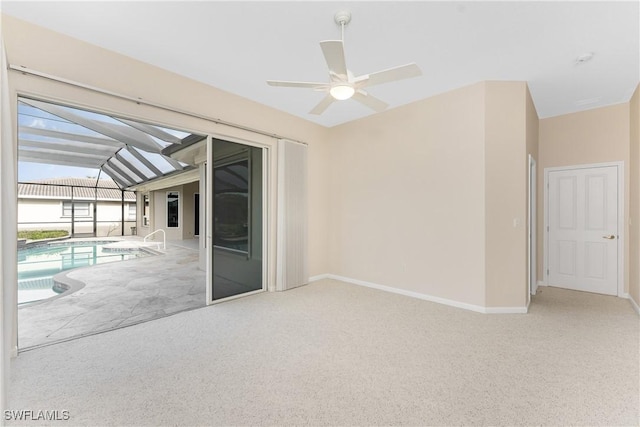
38, 264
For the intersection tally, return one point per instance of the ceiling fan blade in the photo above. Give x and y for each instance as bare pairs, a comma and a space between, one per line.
390, 75
372, 102
323, 105
309, 85
333, 51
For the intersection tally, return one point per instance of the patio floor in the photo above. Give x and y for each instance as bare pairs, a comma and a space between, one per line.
116, 295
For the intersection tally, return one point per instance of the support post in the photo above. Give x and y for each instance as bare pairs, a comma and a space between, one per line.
95, 212
73, 215
122, 214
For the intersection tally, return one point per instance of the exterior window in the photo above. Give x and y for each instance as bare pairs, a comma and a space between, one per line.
132, 211
145, 210
172, 209
80, 208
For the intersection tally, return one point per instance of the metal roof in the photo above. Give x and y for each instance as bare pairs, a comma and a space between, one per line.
83, 189
129, 152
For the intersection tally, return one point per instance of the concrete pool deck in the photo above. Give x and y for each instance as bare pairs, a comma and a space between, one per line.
115, 295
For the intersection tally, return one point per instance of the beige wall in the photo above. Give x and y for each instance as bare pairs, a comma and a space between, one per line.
143, 230
111, 213
425, 196
594, 136
40, 210
159, 213
53, 53
506, 166
185, 211
634, 197
532, 131
407, 197
46, 214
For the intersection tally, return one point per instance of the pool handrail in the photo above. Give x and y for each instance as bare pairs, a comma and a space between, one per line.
164, 238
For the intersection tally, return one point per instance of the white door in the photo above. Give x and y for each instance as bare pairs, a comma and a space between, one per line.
583, 229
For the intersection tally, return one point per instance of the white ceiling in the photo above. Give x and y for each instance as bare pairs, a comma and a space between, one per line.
236, 46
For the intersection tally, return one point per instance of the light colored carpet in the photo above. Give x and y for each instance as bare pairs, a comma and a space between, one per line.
331, 353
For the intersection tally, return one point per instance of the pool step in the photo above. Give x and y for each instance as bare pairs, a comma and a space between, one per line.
30, 284
129, 245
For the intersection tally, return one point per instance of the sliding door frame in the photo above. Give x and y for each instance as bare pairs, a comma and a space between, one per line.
211, 130
269, 166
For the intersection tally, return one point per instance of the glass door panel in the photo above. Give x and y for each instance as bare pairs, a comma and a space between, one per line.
237, 219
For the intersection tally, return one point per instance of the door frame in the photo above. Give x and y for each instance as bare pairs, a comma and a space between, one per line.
532, 264
621, 225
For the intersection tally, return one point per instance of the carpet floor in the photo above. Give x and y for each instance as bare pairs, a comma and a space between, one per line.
332, 353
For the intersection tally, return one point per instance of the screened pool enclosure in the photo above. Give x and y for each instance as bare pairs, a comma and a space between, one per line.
125, 152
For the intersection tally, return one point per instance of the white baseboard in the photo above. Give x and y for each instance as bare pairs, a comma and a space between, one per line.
426, 297
633, 302
506, 310
14, 352
319, 277
540, 283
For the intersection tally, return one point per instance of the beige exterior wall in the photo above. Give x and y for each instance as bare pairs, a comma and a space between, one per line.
634, 197
109, 222
37, 211
142, 229
594, 136
159, 213
47, 214
188, 209
506, 167
407, 197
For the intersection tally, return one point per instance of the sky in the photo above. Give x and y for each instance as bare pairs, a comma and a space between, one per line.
35, 171
32, 117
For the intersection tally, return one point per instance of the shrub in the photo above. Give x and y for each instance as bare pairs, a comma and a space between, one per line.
41, 234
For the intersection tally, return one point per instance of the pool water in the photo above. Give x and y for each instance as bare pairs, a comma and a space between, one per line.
37, 265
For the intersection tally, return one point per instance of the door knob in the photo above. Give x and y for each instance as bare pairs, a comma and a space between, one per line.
609, 237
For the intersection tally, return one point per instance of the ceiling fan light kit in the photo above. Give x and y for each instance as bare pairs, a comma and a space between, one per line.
342, 84
342, 91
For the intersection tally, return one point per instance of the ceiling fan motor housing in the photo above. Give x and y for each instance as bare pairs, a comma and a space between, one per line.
343, 17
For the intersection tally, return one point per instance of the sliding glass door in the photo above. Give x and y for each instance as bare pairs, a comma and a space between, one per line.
237, 219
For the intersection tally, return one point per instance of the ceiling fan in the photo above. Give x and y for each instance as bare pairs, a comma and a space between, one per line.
342, 83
